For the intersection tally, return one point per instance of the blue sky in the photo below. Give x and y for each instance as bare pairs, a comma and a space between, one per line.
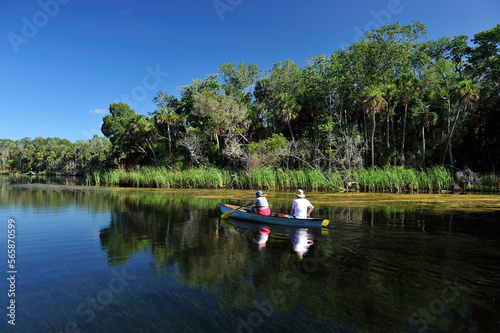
64, 61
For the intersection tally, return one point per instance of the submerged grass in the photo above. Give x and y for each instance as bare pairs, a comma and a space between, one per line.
389, 179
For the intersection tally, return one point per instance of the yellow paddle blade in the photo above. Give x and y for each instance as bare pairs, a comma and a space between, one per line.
226, 215
325, 223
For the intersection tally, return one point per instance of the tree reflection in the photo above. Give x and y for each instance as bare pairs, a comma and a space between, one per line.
350, 277
375, 271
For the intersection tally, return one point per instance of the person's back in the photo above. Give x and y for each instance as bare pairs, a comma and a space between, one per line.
261, 204
301, 207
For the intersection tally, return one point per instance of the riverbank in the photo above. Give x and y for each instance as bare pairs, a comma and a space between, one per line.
390, 202
389, 179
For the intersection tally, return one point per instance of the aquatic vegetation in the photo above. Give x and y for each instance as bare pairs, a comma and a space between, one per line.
389, 179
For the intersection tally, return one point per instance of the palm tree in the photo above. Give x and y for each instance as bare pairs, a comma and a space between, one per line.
393, 95
426, 119
407, 87
167, 116
288, 110
465, 94
144, 130
373, 101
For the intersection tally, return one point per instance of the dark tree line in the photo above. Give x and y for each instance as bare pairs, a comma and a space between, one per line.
54, 155
392, 98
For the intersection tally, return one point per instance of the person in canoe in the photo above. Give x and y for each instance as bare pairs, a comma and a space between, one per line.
301, 207
261, 204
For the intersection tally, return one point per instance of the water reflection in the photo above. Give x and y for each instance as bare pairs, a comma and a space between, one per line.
43, 179
375, 271
302, 241
361, 267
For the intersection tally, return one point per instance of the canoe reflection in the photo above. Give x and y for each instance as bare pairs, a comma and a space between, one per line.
300, 238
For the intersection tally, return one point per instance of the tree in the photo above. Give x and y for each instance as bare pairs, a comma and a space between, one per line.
221, 116
165, 114
426, 117
269, 152
129, 133
289, 109
116, 126
466, 94
479, 148
407, 88
391, 94
440, 79
274, 91
192, 141
241, 80
144, 134
389, 48
329, 84
373, 101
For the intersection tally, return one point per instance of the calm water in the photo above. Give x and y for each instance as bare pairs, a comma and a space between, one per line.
138, 262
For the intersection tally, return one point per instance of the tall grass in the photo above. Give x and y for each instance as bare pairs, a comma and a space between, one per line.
399, 179
490, 181
389, 179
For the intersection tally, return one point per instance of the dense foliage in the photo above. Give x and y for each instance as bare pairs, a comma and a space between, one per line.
392, 98
54, 155
389, 99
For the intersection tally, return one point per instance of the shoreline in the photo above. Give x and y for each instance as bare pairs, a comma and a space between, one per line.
471, 203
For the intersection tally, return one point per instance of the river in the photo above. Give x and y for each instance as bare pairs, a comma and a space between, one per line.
86, 260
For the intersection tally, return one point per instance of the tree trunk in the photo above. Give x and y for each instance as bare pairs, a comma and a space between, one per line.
373, 139
404, 135
330, 152
366, 133
448, 141
152, 148
387, 129
169, 140
217, 142
393, 134
291, 132
451, 155
423, 146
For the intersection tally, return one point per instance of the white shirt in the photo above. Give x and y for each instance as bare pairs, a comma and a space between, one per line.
300, 206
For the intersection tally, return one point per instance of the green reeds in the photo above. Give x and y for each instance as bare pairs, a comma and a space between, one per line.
399, 179
490, 182
389, 179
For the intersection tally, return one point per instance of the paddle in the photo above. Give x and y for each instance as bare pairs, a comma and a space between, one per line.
226, 215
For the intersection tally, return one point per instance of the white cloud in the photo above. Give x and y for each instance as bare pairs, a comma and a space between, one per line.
98, 111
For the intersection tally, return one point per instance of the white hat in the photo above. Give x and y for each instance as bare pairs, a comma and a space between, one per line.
300, 194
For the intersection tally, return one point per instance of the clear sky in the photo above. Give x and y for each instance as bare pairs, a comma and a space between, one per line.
63, 62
